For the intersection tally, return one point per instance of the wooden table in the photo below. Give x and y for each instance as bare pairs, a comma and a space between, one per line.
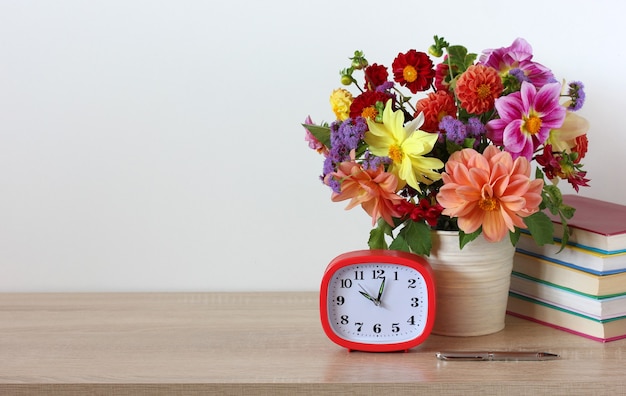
263, 343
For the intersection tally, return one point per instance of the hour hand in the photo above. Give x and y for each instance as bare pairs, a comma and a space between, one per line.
365, 294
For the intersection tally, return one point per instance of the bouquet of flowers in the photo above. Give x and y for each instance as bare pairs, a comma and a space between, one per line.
460, 154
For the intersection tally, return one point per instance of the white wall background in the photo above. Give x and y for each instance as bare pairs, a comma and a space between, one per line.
156, 145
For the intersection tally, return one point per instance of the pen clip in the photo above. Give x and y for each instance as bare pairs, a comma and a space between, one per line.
468, 356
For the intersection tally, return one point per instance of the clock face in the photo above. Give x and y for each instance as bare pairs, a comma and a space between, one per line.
377, 306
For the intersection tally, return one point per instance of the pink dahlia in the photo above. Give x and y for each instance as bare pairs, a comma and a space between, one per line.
517, 56
526, 118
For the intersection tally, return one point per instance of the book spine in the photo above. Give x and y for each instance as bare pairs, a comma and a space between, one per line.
555, 317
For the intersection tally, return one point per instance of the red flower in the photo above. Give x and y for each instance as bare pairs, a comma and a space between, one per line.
442, 75
478, 87
413, 70
441, 72
435, 106
577, 179
422, 211
375, 75
551, 165
581, 147
558, 165
364, 104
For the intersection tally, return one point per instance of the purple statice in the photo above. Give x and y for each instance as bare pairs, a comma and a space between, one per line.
455, 130
577, 93
373, 162
475, 128
349, 133
345, 136
334, 184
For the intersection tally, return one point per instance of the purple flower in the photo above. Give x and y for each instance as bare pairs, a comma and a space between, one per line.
475, 128
373, 162
345, 136
526, 118
350, 133
519, 74
455, 129
334, 184
387, 85
577, 93
518, 56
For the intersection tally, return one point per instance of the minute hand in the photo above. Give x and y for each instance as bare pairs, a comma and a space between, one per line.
380, 291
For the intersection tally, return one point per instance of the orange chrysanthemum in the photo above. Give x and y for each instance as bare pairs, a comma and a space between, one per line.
374, 190
477, 88
435, 106
489, 190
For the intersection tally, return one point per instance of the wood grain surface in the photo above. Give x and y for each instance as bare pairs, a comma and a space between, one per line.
263, 343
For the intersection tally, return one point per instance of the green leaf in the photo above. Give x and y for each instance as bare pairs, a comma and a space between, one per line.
469, 142
452, 147
399, 243
567, 212
321, 133
552, 198
418, 237
464, 238
515, 236
540, 227
377, 235
456, 56
459, 57
469, 59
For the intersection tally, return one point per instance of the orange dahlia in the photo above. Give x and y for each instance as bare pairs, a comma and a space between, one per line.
373, 189
435, 106
477, 88
489, 190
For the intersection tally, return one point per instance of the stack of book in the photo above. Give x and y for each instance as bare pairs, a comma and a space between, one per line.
581, 288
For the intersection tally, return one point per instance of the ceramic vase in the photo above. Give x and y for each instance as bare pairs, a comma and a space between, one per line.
472, 284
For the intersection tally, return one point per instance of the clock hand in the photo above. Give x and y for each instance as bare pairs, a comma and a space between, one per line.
365, 294
380, 291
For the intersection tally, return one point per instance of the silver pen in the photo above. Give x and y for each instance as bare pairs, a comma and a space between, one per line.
495, 355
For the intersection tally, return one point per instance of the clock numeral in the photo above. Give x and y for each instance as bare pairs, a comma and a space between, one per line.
395, 327
344, 319
346, 283
378, 274
358, 275
412, 283
340, 300
415, 302
411, 321
359, 326
377, 329
395, 275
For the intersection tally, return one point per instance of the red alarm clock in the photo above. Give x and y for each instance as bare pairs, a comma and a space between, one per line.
378, 300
